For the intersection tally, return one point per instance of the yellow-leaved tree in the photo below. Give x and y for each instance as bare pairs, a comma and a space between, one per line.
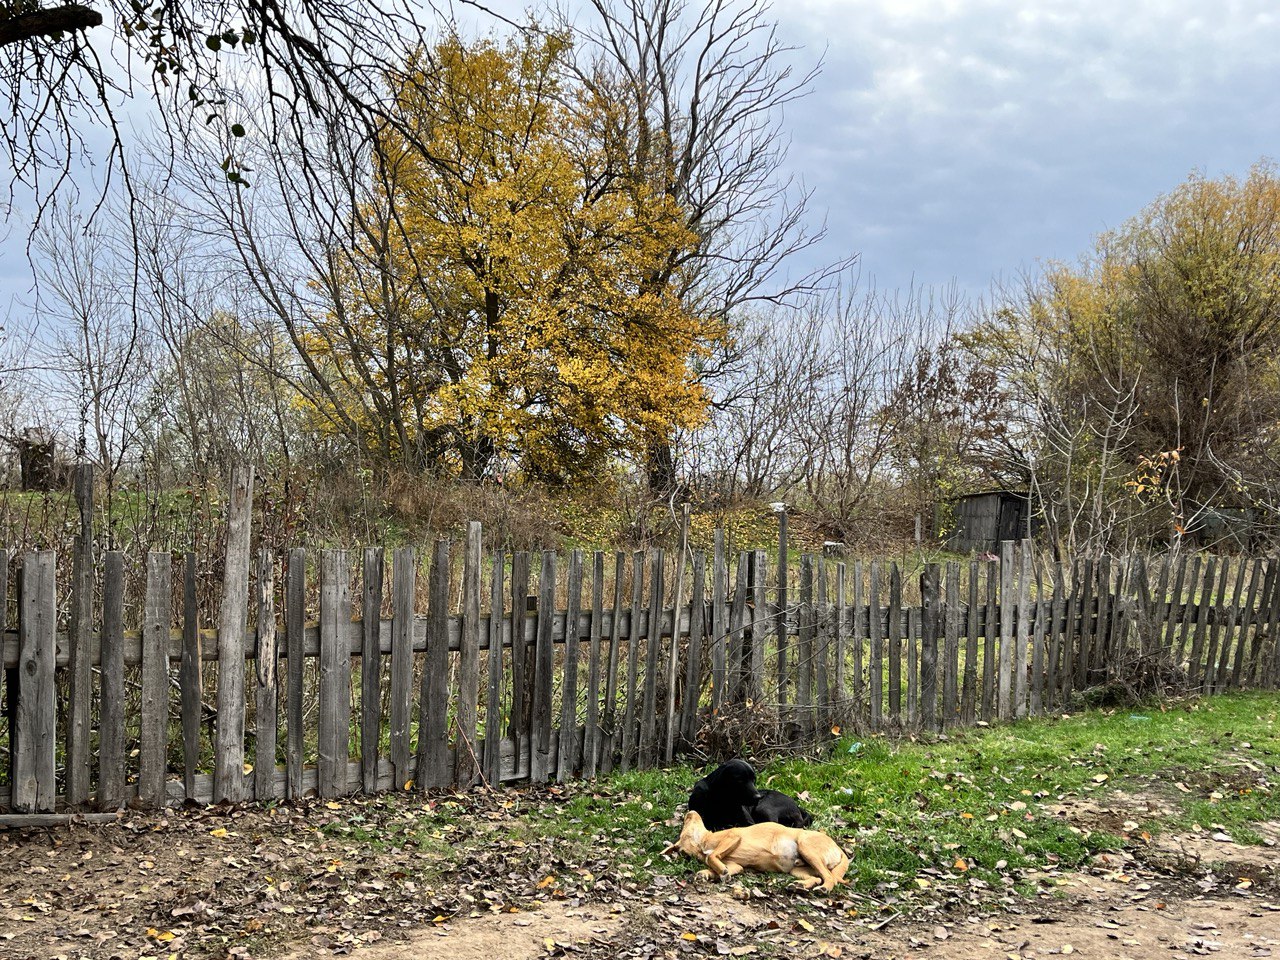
498, 310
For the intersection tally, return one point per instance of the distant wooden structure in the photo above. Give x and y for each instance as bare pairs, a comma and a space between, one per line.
980, 522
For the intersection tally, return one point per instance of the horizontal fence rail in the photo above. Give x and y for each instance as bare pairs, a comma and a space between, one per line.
546, 667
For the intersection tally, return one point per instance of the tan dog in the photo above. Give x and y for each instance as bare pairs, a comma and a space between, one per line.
811, 857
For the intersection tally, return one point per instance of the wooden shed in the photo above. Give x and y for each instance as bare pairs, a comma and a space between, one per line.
979, 521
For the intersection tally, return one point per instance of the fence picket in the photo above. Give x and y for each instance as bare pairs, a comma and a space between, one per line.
969, 691
566, 763
912, 653
233, 619
693, 668
1038, 629
433, 769
673, 648
153, 727
759, 627
521, 674
876, 667
333, 744
822, 673
1203, 602
493, 693
370, 667
34, 782
467, 746
79, 638
737, 633
111, 741
931, 627
543, 679
1222, 679
951, 648
591, 736
804, 647
652, 655
861, 629
403, 597
265, 699
1057, 629
609, 734
719, 576
1246, 621
895, 644
294, 629
1023, 628
633, 660
842, 626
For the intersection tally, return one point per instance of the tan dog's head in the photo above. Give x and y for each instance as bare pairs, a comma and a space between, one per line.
691, 835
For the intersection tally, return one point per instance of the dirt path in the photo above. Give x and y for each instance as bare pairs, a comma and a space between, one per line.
449, 879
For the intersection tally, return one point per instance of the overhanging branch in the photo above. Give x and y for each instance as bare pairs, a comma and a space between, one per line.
47, 23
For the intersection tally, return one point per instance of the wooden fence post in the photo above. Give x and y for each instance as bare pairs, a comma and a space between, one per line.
610, 732
521, 675
79, 635
875, 670
718, 654
1008, 600
673, 659
652, 653
633, 660
1023, 631
969, 691
951, 650
895, 644
591, 735
693, 668
233, 620
781, 655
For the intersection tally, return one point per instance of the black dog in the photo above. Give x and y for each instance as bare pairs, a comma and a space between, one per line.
727, 797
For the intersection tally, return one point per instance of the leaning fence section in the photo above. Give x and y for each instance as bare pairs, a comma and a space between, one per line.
338, 672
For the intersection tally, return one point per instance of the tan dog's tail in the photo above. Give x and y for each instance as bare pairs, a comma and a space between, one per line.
669, 847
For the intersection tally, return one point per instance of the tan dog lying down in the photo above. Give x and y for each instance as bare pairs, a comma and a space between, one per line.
811, 857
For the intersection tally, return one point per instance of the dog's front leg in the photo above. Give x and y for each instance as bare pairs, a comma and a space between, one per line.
715, 859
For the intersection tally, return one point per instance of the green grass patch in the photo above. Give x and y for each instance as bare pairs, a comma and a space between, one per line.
971, 807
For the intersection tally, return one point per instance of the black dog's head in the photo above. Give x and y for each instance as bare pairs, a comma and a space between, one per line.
726, 796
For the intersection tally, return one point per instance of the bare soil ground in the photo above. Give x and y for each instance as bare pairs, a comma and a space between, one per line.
456, 878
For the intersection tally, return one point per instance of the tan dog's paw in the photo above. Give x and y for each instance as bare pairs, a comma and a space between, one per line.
808, 884
706, 876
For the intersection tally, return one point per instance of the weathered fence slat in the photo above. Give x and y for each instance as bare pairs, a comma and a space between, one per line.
521, 674
1269, 667
1246, 621
673, 648
719, 576
969, 691
822, 653
1004, 696
875, 669
737, 632
693, 667
111, 753
1188, 621
265, 702
842, 627
370, 667
951, 648
401, 705
591, 734
895, 643
153, 727
566, 763
1222, 679
805, 647
652, 654
1023, 635
34, 785
633, 660
79, 637
333, 745
780, 633
295, 619
1218, 599
1203, 602
493, 693
1098, 645
1261, 619
861, 629
912, 651
467, 747
433, 724
931, 622
543, 677
1057, 614
759, 627
1038, 629
233, 619
609, 734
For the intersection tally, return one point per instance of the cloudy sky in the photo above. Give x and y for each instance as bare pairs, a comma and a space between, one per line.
966, 140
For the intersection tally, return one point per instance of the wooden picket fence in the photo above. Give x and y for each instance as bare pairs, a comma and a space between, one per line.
530, 679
